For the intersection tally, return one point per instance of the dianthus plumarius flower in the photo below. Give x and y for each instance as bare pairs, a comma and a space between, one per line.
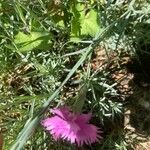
73, 127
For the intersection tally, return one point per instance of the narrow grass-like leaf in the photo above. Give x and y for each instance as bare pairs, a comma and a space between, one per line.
33, 122
19, 11
26, 132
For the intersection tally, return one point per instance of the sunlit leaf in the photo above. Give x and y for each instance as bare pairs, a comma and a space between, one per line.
34, 40
89, 24
84, 23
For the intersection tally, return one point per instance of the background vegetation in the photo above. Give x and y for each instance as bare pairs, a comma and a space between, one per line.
50, 50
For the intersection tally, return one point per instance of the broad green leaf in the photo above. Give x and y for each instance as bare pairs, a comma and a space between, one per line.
34, 40
83, 23
89, 23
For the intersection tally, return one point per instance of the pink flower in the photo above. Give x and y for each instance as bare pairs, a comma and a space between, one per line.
71, 126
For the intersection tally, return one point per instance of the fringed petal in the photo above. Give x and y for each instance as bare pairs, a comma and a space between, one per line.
72, 127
